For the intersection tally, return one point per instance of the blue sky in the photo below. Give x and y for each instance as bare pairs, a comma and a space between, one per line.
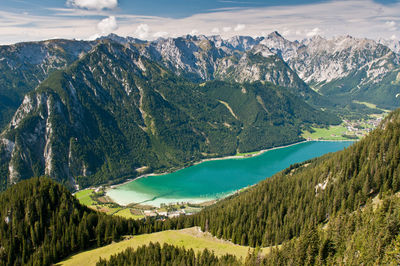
164, 8
24, 20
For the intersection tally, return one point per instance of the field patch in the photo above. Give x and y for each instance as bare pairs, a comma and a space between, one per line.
330, 133
84, 197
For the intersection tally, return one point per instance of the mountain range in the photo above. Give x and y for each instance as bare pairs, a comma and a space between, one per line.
344, 68
90, 112
114, 111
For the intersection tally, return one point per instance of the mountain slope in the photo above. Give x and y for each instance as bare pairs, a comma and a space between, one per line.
239, 59
114, 111
346, 68
260, 64
25, 65
367, 236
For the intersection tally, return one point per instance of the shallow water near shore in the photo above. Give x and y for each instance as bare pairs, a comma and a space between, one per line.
215, 179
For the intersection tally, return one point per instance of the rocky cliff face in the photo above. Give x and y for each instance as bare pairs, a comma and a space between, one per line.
344, 67
25, 65
239, 59
322, 61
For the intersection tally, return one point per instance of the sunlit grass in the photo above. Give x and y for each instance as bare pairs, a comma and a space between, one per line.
188, 238
84, 197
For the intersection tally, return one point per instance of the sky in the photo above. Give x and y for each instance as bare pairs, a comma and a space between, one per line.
32, 20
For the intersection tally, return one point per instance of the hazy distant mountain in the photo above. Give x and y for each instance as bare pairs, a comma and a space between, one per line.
239, 59
349, 68
344, 68
394, 45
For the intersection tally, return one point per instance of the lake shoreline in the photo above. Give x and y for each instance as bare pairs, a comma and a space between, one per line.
249, 155
229, 157
244, 156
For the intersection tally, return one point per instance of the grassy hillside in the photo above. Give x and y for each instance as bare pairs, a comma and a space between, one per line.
367, 236
189, 238
155, 254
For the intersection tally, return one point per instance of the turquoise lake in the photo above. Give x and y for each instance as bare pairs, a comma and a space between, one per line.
215, 179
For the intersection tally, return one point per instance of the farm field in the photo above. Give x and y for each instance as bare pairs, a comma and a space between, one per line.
331, 133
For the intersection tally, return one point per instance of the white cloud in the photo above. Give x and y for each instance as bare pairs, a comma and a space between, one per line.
391, 25
107, 25
93, 4
393, 37
194, 32
314, 32
215, 30
239, 27
359, 18
142, 31
160, 34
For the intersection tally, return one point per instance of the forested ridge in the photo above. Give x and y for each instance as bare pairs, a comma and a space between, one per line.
367, 236
42, 222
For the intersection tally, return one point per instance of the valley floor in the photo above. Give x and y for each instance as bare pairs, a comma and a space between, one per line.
98, 199
190, 238
348, 130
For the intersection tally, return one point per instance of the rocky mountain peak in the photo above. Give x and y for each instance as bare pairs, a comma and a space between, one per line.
394, 45
242, 43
